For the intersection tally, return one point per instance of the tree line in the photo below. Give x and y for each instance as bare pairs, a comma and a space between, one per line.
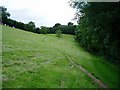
65, 29
99, 28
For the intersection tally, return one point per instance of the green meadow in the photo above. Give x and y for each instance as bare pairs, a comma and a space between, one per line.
32, 60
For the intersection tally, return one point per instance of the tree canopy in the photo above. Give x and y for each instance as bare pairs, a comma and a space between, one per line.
5, 14
98, 30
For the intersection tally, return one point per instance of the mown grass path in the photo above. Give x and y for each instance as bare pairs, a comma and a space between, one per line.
40, 61
97, 81
100, 83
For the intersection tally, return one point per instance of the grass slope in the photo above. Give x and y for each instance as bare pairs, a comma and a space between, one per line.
34, 60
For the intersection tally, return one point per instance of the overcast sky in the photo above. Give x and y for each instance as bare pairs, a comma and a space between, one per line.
42, 12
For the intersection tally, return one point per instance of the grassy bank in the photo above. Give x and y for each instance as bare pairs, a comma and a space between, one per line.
36, 60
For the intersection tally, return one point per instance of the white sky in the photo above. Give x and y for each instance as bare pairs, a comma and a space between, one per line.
42, 12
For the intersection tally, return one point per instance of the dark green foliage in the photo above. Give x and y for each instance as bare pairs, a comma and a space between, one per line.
55, 28
50, 31
5, 15
37, 30
66, 29
13, 23
43, 30
98, 29
31, 26
70, 24
57, 25
59, 33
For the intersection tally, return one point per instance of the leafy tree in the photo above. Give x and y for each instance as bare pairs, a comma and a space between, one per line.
70, 24
44, 30
5, 14
57, 25
31, 26
59, 33
66, 29
37, 30
98, 30
50, 30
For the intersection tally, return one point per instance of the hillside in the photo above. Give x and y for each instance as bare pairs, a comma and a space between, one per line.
41, 61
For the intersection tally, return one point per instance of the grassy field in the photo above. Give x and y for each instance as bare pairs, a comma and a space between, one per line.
40, 61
